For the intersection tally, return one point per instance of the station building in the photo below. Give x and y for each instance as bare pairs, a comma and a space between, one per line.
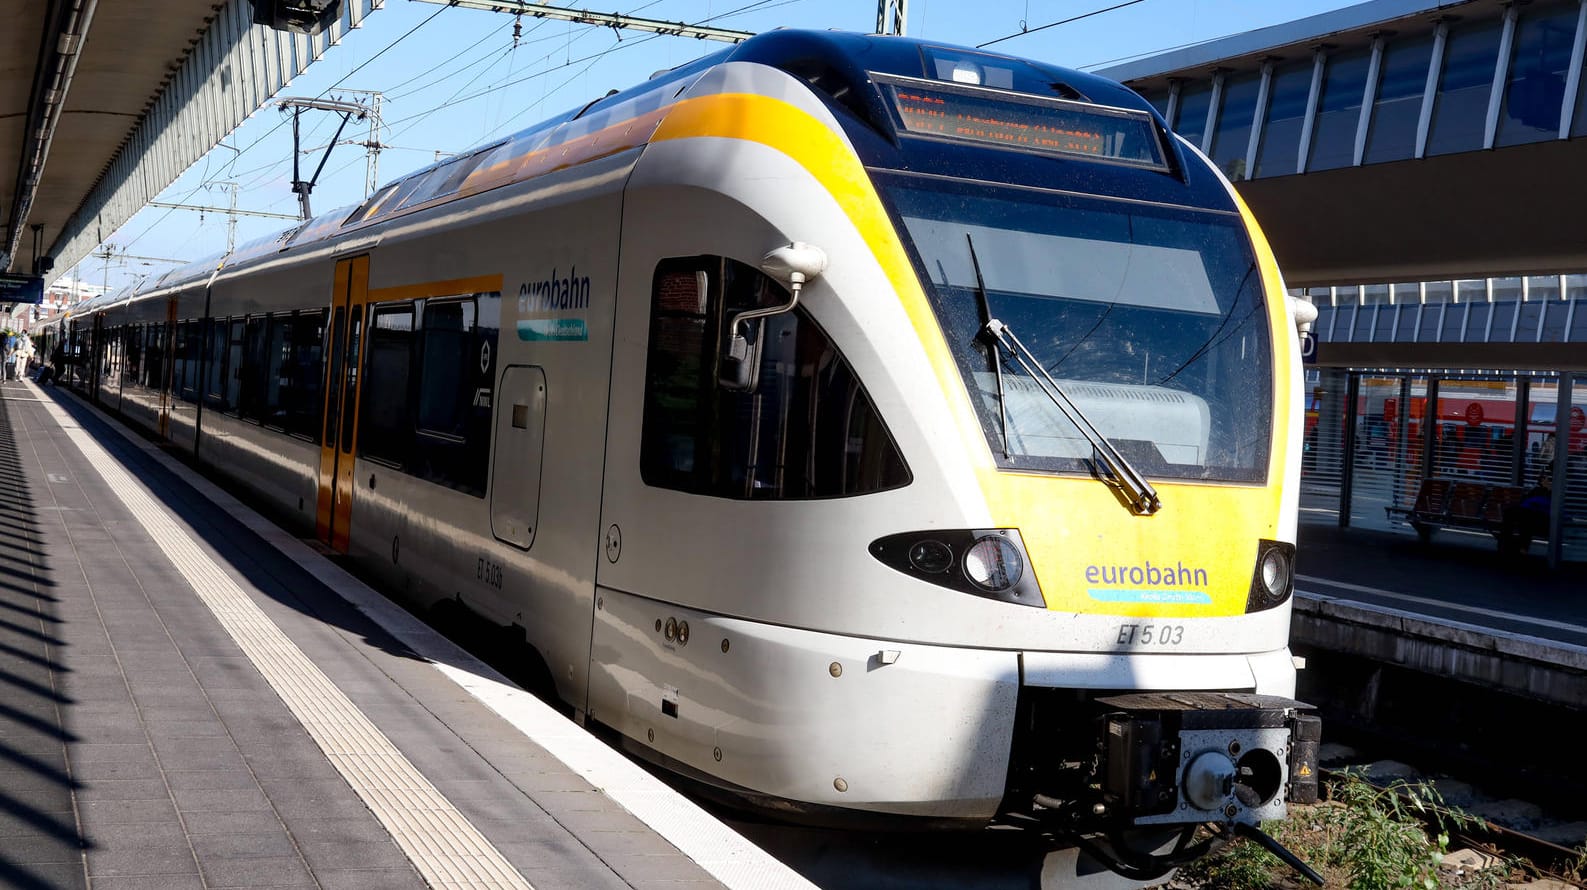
1418, 166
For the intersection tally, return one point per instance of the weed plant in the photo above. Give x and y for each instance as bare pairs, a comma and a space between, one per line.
1363, 838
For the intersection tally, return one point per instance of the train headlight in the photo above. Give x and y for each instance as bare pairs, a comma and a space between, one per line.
931, 557
1274, 578
993, 564
987, 562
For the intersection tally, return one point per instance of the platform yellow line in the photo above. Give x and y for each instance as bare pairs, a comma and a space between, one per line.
445, 848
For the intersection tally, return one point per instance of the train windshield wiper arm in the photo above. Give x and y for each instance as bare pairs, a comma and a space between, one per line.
992, 344
1140, 494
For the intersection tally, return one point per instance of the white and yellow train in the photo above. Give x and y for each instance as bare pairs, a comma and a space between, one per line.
854, 424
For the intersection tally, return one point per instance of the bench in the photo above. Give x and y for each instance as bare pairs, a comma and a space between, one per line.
1450, 503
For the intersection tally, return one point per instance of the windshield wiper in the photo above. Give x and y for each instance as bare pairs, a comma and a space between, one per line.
992, 343
1139, 493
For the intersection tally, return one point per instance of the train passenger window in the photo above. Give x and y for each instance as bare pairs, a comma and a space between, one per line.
189, 347
297, 363
131, 336
386, 428
231, 383
806, 430
251, 400
443, 403
154, 367
455, 389
215, 365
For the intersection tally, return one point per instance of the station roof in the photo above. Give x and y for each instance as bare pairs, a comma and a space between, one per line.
103, 103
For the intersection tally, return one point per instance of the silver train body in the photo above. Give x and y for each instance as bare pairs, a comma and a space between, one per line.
857, 561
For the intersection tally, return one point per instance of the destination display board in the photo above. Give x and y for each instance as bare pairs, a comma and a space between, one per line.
21, 288
1022, 122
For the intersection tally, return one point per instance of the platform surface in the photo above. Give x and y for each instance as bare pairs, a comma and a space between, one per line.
192, 698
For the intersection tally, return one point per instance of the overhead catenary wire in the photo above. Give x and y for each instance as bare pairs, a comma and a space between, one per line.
1023, 31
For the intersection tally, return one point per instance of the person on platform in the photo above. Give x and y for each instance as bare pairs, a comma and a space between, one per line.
1528, 518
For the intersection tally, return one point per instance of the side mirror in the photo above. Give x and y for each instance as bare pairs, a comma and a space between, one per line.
791, 265
1305, 313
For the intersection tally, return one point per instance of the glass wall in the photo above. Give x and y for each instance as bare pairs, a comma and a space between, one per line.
1232, 135
1539, 62
1339, 111
1288, 94
1190, 121
1460, 110
1398, 107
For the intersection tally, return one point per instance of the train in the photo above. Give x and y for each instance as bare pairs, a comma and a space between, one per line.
865, 429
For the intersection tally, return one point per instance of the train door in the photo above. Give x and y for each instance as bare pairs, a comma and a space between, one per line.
344, 337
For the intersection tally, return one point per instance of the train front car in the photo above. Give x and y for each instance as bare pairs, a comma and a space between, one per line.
968, 398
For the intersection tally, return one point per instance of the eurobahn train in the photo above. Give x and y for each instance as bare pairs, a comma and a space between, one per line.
859, 426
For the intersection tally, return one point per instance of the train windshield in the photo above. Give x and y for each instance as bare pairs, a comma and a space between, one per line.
1150, 318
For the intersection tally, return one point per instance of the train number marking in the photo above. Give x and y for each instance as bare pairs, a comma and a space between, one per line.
488, 572
1142, 635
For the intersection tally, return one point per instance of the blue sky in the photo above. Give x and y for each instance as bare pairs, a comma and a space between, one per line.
455, 78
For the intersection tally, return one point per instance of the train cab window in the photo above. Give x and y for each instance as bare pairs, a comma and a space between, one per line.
385, 428
803, 428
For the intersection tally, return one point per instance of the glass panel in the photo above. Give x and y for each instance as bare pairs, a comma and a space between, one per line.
448, 345
1574, 539
1474, 440
1386, 466
1454, 318
1439, 292
1322, 455
1191, 120
1410, 319
1395, 112
1333, 141
1383, 320
456, 389
1286, 110
383, 406
1506, 289
804, 429
1526, 328
1576, 285
1536, 88
1375, 294
1477, 315
1150, 314
1543, 287
1158, 100
1344, 327
1232, 135
1554, 313
1499, 327
1460, 112
1427, 329
1472, 291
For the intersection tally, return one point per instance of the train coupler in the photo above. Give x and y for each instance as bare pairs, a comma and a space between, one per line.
1190, 757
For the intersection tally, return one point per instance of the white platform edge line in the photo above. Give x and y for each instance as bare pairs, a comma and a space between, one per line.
302, 687
722, 852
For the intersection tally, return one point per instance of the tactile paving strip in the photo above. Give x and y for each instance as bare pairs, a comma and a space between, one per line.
444, 847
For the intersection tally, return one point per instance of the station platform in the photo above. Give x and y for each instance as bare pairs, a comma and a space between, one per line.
190, 697
1454, 608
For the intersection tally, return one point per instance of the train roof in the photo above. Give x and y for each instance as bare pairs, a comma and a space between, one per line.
837, 64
